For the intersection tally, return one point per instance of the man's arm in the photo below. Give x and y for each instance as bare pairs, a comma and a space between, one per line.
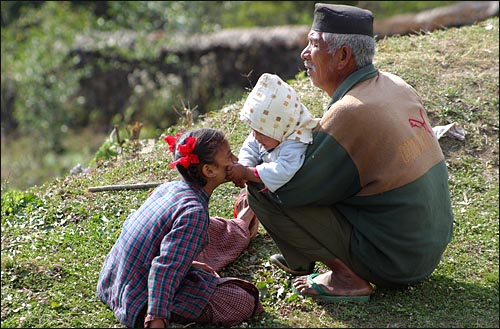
327, 176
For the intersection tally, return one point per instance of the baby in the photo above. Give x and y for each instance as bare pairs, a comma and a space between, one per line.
281, 130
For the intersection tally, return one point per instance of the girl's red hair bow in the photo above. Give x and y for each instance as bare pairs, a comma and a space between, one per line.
171, 140
185, 150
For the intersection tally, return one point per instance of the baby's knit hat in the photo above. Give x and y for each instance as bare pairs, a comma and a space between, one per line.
274, 109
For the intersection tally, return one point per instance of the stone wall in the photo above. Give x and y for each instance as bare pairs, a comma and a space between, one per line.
236, 58
227, 59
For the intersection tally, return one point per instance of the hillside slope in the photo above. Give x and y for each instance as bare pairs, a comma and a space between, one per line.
55, 237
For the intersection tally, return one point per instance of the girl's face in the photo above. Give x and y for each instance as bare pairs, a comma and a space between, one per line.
266, 141
223, 159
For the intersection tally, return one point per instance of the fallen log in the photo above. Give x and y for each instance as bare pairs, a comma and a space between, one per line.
123, 187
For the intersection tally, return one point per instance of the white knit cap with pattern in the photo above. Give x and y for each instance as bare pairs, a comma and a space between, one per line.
274, 109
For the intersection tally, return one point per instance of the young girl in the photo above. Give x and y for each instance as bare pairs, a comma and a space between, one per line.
152, 276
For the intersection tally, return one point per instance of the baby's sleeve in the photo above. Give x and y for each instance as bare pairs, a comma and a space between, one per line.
249, 154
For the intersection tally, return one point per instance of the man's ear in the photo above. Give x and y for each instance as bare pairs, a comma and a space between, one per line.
207, 171
345, 55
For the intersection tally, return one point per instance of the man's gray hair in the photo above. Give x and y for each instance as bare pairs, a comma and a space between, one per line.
363, 46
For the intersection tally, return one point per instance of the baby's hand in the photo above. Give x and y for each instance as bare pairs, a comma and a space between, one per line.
236, 173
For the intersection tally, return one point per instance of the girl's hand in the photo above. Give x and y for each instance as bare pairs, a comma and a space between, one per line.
158, 323
205, 267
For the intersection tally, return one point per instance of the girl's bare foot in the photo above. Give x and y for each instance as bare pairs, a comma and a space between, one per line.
248, 216
243, 211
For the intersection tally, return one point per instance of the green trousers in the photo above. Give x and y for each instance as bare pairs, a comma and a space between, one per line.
308, 234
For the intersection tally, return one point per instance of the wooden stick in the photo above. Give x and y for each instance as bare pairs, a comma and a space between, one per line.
123, 187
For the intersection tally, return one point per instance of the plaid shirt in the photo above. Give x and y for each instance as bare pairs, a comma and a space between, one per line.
150, 263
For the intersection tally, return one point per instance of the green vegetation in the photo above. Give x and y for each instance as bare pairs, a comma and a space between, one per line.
41, 74
55, 236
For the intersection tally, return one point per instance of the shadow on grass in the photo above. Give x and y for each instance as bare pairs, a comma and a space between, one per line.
261, 321
437, 302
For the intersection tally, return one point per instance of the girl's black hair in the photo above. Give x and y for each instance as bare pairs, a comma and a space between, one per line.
208, 141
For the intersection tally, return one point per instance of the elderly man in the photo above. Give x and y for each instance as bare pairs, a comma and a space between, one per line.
371, 200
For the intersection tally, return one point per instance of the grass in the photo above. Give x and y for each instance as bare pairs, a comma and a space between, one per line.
26, 164
55, 236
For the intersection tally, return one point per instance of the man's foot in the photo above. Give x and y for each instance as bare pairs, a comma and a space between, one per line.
279, 260
329, 284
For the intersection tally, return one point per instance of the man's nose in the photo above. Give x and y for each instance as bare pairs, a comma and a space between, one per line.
305, 53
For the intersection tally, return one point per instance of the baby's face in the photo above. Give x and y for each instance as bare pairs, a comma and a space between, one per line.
266, 141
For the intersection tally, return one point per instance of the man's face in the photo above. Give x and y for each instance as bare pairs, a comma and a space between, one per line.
318, 61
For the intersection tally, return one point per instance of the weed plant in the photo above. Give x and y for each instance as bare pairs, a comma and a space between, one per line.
55, 237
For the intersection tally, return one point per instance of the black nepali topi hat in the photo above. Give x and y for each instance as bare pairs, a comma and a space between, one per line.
342, 19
